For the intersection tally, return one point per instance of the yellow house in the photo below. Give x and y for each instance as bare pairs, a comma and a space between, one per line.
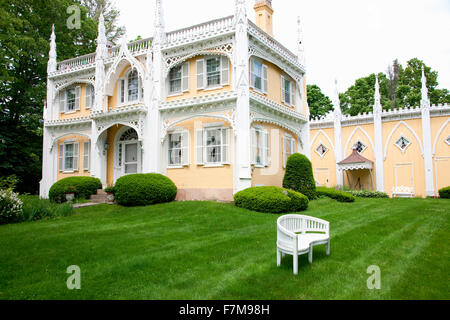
217, 107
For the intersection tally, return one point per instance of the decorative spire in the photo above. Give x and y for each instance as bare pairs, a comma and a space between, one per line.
336, 101
51, 66
160, 34
240, 15
425, 101
377, 105
102, 50
300, 45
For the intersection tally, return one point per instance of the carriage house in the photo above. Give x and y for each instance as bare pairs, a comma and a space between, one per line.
217, 107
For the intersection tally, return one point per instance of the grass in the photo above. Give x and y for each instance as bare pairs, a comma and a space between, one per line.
206, 250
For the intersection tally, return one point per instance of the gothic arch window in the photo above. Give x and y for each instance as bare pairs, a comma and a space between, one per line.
359, 146
402, 143
130, 87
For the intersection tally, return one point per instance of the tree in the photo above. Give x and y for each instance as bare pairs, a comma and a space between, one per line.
111, 15
25, 28
393, 74
319, 103
299, 176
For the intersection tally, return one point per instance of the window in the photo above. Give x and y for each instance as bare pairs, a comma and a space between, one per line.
90, 96
402, 143
321, 150
86, 155
212, 146
259, 75
175, 80
178, 149
130, 88
288, 92
69, 99
359, 146
288, 147
68, 157
260, 147
213, 72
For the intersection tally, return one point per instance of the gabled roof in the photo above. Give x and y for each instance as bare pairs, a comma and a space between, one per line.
355, 157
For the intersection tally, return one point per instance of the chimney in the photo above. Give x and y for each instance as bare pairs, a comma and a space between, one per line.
264, 13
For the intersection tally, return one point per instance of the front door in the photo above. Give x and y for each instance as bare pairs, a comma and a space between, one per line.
130, 165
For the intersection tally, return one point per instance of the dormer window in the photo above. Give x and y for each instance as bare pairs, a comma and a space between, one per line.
130, 88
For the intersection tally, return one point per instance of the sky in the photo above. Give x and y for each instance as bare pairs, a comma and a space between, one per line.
344, 39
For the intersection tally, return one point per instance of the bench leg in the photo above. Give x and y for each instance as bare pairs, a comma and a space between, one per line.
310, 254
328, 248
295, 257
278, 258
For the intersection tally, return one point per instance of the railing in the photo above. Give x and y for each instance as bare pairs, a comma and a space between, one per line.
199, 31
76, 63
273, 43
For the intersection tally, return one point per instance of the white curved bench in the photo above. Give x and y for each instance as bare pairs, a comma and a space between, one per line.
298, 234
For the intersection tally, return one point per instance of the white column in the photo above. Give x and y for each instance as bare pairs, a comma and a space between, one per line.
378, 130
242, 166
101, 55
338, 135
426, 129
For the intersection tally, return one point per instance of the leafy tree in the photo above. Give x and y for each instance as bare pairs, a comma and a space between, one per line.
319, 103
111, 15
393, 74
25, 28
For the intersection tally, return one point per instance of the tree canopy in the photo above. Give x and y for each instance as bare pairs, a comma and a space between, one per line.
319, 103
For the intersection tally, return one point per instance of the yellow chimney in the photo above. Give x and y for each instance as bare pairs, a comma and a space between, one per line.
264, 13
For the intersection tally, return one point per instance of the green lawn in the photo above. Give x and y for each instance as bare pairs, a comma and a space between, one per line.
206, 250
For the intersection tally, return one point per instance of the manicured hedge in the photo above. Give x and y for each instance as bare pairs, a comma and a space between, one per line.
368, 194
84, 187
340, 196
271, 200
299, 176
144, 189
444, 193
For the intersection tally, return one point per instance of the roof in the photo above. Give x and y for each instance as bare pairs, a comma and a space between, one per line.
355, 161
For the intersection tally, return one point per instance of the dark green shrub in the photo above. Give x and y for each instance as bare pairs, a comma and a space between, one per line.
271, 200
110, 190
367, 194
299, 176
444, 193
338, 195
144, 189
84, 187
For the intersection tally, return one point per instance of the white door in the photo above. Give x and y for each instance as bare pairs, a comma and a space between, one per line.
130, 163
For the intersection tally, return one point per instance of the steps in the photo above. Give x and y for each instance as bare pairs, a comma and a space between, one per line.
100, 197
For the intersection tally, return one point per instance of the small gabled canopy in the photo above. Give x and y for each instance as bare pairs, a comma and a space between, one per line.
355, 161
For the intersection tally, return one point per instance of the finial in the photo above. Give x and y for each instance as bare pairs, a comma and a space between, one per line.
300, 45
377, 105
52, 64
102, 50
336, 101
160, 34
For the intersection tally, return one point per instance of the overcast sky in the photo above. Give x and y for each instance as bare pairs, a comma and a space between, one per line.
344, 39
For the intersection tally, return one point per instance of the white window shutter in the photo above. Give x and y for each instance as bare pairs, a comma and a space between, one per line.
252, 74
200, 74
254, 145
292, 93
76, 147
225, 74
185, 77
199, 147
282, 89
266, 149
61, 158
284, 151
87, 96
122, 90
185, 148
226, 146
293, 145
265, 80
77, 97
86, 155
62, 101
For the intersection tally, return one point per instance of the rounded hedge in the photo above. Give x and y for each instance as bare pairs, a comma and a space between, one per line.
299, 176
144, 189
337, 195
83, 187
271, 200
444, 193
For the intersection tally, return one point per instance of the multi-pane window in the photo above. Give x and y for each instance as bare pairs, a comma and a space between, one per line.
90, 96
259, 74
213, 71
359, 146
287, 91
178, 150
321, 150
260, 147
175, 79
402, 143
70, 99
212, 145
130, 88
288, 147
68, 157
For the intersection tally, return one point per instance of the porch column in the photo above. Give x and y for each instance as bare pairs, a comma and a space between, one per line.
378, 130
